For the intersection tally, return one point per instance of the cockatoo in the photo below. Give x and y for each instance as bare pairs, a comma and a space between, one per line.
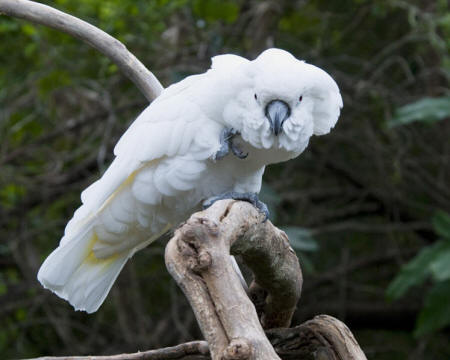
205, 138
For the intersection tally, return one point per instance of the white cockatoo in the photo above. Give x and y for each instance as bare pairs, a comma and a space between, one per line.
205, 138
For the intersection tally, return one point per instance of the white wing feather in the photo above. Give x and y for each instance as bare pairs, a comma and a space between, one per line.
160, 156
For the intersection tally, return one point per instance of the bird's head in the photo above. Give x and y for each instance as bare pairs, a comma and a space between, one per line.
281, 102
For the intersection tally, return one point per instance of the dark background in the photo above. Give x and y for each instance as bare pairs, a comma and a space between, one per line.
358, 204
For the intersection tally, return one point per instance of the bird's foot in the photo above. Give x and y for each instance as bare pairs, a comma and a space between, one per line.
252, 198
226, 144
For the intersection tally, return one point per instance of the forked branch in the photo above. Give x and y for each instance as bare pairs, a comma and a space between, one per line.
106, 44
198, 257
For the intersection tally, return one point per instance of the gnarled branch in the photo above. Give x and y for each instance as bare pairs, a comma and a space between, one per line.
191, 350
198, 257
323, 337
106, 44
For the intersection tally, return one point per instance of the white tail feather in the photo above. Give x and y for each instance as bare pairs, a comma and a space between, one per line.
74, 273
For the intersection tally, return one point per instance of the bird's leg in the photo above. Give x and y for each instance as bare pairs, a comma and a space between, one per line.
226, 144
252, 198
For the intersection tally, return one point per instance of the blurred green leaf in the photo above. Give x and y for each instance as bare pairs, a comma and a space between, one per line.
445, 21
3, 288
440, 267
52, 81
21, 314
216, 10
416, 271
8, 25
10, 194
424, 110
441, 224
301, 238
30, 49
12, 276
4, 340
298, 22
28, 29
435, 314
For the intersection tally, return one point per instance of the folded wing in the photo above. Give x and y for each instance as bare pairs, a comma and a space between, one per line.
148, 187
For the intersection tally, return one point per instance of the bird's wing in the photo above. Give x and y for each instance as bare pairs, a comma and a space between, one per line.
163, 152
172, 125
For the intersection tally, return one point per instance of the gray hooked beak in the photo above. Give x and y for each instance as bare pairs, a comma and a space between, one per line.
277, 111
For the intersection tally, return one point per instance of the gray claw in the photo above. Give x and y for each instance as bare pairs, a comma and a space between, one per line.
252, 198
226, 144
238, 152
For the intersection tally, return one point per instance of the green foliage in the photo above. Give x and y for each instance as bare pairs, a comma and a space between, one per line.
11, 194
435, 314
431, 262
440, 267
215, 10
424, 110
416, 271
441, 224
54, 80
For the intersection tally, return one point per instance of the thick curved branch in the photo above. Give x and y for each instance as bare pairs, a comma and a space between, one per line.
323, 337
106, 44
198, 257
277, 283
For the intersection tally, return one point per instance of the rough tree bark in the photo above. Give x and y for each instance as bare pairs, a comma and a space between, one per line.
198, 255
322, 338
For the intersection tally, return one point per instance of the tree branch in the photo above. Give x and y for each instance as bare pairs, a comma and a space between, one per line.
191, 350
106, 44
277, 283
323, 337
198, 257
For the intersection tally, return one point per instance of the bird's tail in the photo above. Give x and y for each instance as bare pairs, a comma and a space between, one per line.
74, 273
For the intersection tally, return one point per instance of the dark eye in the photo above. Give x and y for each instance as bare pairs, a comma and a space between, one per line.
256, 97
300, 98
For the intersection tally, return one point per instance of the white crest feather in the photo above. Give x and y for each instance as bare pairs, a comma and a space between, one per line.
227, 62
